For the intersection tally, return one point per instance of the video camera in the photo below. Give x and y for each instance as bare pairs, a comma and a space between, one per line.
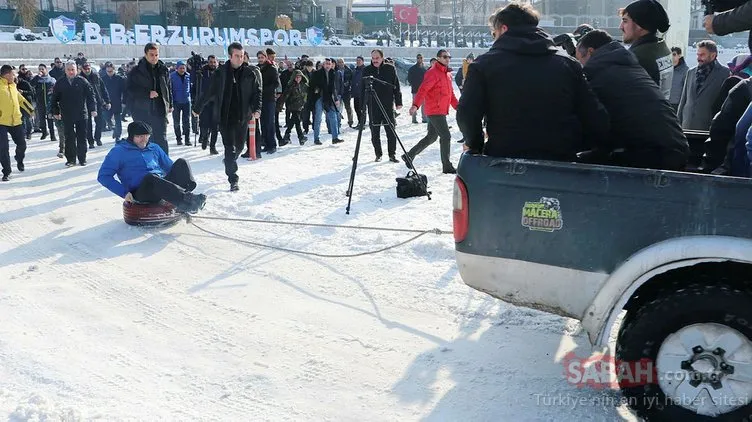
196, 62
714, 6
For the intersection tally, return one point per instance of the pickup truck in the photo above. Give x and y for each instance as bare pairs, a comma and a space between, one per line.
663, 257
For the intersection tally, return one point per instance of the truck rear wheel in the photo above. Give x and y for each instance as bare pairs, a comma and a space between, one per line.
693, 347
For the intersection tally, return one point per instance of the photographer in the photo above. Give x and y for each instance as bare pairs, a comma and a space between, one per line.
390, 96
736, 16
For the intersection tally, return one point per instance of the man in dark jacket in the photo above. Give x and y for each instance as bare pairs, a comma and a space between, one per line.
534, 96
323, 95
680, 75
149, 96
73, 102
146, 174
640, 22
415, 78
180, 82
103, 103
719, 150
43, 84
270, 78
58, 69
356, 89
347, 76
644, 127
236, 96
115, 85
26, 89
390, 96
206, 122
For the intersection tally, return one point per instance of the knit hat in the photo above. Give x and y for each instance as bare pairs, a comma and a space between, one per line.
649, 14
138, 128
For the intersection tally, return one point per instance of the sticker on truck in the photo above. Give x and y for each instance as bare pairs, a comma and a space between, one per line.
543, 215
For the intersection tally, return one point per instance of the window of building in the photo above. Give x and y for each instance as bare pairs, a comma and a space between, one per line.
340, 12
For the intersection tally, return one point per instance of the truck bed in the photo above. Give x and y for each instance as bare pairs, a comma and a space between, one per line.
520, 248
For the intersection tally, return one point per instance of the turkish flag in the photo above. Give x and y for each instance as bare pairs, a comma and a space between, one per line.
406, 14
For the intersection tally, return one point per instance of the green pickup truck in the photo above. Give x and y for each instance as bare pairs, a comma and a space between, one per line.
672, 249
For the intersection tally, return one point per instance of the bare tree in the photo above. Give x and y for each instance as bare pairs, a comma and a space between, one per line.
27, 11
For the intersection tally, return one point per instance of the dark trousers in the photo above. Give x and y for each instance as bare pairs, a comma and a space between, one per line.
391, 137
185, 110
45, 124
437, 128
268, 132
294, 121
17, 134
348, 110
358, 111
208, 127
305, 117
234, 137
276, 123
94, 128
171, 188
158, 125
75, 140
117, 130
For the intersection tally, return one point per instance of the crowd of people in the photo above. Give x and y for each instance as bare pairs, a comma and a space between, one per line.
526, 97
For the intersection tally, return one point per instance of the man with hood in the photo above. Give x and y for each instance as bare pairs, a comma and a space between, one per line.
699, 97
235, 93
534, 96
148, 94
640, 22
146, 174
206, 123
643, 125
295, 98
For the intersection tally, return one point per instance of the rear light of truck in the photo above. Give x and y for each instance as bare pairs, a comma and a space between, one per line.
460, 214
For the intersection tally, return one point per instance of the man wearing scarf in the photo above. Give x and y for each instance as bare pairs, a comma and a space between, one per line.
640, 23
698, 99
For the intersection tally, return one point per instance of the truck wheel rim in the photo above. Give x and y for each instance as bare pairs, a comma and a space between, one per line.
706, 368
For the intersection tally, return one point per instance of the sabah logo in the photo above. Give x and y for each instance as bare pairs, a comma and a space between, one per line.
63, 28
544, 215
314, 35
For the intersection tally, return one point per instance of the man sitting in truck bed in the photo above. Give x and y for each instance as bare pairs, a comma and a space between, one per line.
643, 124
537, 102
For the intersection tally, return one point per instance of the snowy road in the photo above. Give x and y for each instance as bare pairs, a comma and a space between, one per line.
102, 320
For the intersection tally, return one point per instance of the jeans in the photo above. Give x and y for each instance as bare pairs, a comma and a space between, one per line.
437, 128
185, 110
331, 118
171, 188
17, 133
268, 130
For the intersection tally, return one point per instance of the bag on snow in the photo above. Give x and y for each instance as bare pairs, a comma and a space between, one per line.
413, 184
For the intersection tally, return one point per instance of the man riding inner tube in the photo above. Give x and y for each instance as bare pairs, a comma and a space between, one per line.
147, 174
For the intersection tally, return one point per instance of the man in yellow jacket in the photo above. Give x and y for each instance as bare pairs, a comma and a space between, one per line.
11, 103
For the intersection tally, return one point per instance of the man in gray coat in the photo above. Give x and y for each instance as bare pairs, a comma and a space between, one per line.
702, 88
680, 75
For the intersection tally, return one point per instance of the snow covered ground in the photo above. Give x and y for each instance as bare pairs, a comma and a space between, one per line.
101, 320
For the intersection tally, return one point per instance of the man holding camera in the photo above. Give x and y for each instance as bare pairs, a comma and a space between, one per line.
390, 96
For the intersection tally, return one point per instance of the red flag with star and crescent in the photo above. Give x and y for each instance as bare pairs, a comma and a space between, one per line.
406, 14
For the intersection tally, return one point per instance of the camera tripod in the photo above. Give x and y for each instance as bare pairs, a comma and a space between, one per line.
369, 93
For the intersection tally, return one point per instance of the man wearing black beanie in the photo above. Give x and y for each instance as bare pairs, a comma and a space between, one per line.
641, 20
146, 174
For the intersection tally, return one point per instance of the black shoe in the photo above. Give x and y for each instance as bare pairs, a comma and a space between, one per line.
180, 141
378, 158
284, 142
271, 151
337, 141
44, 136
82, 163
203, 145
213, 151
69, 164
99, 143
450, 170
21, 167
302, 140
234, 187
6, 178
317, 142
91, 146
393, 159
246, 155
188, 143
407, 164
53, 139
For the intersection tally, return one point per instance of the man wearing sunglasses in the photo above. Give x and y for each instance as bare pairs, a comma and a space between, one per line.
436, 94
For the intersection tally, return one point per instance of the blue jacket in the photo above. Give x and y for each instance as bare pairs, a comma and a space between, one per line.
181, 88
131, 164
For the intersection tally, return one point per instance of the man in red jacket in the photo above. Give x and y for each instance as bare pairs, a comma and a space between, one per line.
438, 94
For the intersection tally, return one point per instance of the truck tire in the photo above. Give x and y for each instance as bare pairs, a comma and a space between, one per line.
697, 340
